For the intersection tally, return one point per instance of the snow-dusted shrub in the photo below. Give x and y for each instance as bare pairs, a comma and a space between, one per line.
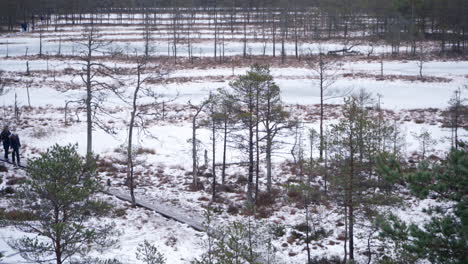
326, 260
149, 254
40, 132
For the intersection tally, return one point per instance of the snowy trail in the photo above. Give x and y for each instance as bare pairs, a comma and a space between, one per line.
22, 165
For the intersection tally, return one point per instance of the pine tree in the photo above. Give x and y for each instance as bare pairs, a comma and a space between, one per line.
246, 90
443, 238
354, 145
60, 196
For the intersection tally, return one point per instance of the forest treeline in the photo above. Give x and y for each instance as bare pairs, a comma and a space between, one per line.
442, 20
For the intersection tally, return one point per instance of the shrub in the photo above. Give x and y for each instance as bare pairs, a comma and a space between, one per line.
233, 209
149, 254
120, 212
143, 150
16, 215
320, 233
40, 132
16, 181
7, 190
302, 227
265, 199
279, 230
326, 260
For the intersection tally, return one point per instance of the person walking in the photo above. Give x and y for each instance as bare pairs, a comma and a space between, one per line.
5, 138
15, 145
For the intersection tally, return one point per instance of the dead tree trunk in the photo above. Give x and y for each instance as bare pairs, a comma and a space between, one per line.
198, 109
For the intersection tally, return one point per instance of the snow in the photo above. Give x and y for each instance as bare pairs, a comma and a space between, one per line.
165, 172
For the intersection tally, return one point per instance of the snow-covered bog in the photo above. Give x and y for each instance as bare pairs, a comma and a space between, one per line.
40, 88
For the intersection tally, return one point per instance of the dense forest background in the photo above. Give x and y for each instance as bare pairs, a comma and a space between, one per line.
445, 21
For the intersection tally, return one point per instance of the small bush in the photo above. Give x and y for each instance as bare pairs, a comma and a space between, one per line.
16, 215
279, 230
107, 166
149, 254
108, 261
7, 190
16, 181
320, 233
294, 194
171, 241
143, 150
40, 132
68, 70
233, 209
303, 227
226, 188
263, 212
120, 212
265, 199
326, 260
294, 236
242, 180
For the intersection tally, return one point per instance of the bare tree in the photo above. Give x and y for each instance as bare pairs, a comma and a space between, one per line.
96, 88
326, 70
40, 43
139, 113
421, 60
3, 84
28, 85
7, 48
198, 109
140, 67
175, 27
147, 36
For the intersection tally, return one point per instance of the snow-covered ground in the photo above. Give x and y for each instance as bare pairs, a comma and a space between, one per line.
163, 170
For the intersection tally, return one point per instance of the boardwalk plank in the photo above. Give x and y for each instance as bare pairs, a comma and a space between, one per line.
165, 210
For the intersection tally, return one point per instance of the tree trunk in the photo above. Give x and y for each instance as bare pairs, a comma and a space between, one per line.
307, 231
223, 174
321, 107
215, 22
130, 179
40, 43
257, 147
350, 198
58, 237
274, 34
245, 37
268, 160
194, 152
89, 111
213, 130
251, 157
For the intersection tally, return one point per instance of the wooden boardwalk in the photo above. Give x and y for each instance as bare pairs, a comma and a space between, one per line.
171, 212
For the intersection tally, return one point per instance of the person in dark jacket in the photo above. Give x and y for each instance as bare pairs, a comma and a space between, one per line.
15, 145
5, 138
